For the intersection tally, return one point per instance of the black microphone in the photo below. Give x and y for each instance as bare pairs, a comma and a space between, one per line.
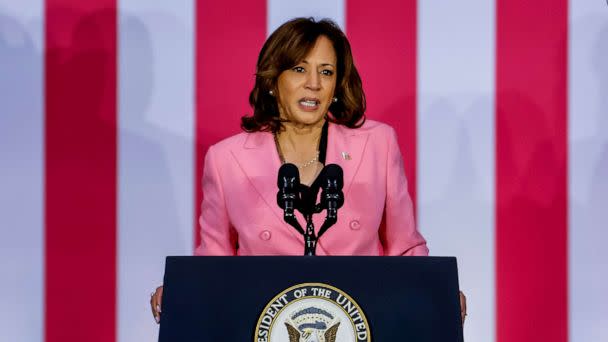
288, 180
332, 197
288, 197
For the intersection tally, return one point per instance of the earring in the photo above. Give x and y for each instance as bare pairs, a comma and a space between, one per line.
271, 93
334, 100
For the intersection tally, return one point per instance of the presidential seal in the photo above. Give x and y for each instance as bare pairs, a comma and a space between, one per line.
312, 312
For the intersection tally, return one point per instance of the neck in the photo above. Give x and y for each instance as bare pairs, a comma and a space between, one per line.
299, 138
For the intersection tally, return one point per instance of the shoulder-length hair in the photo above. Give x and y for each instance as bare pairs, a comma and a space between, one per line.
285, 48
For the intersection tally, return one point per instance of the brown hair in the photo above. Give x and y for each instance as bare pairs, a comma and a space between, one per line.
285, 48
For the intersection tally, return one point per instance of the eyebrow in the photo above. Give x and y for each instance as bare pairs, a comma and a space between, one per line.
323, 64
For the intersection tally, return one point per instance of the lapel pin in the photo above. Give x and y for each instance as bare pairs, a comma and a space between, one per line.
345, 156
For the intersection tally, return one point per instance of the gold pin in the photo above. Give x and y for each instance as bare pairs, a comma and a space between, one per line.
345, 156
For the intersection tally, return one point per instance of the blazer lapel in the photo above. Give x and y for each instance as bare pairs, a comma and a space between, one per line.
346, 148
260, 162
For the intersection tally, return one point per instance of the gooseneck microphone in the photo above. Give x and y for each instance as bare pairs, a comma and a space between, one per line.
332, 197
288, 197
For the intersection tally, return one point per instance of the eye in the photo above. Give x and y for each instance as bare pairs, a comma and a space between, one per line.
298, 69
327, 72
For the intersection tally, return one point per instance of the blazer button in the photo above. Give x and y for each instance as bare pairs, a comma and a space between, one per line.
354, 224
265, 235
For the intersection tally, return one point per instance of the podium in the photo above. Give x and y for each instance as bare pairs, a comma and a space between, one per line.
300, 298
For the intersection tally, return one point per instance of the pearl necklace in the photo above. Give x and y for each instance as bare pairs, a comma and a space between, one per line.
308, 163
300, 166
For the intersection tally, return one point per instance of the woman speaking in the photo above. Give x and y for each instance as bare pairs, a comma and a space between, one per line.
308, 110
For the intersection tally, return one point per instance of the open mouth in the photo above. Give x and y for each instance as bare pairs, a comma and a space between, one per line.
309, 103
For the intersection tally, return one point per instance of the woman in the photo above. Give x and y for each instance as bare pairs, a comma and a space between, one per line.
309, 109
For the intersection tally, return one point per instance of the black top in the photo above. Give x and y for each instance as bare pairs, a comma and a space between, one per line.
308, 194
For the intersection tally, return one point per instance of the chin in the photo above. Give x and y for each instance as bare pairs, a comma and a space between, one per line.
306, 118
302, 120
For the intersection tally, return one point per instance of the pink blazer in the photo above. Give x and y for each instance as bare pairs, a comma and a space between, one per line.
240, 187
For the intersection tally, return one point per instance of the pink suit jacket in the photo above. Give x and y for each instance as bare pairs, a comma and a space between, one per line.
240, 187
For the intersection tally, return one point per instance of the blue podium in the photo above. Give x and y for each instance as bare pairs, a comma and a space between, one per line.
302, 298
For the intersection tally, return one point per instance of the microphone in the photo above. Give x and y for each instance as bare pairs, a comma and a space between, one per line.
288, 196
332, 197
288, 179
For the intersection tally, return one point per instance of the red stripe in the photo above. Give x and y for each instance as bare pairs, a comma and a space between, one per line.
80, 162
531, 170
229, 35
383, 39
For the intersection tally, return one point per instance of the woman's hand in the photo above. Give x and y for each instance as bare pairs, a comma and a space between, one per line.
463, 306
156, 300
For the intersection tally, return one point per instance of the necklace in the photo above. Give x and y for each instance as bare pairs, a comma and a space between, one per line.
308, 163
300, 166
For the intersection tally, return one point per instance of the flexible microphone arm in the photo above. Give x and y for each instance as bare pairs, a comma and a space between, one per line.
288, 195
332, 197
293, 221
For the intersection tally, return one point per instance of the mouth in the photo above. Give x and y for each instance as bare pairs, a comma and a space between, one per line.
309, 103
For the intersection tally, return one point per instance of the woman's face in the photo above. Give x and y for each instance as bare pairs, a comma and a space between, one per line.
306, 90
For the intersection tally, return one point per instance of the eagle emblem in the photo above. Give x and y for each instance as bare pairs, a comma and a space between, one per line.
312, 324
312, 312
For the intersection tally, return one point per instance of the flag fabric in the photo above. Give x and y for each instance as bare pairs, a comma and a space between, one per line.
107, 108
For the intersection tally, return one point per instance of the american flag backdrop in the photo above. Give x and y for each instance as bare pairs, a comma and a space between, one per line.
107, 108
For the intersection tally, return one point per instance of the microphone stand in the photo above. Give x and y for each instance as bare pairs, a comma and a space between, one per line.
310, 240
287, 198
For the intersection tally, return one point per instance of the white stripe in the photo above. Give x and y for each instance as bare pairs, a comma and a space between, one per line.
279, 11
456, 147
21, 170
156, 157
588, 170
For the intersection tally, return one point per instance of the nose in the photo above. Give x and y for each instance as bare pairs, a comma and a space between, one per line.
313, 82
